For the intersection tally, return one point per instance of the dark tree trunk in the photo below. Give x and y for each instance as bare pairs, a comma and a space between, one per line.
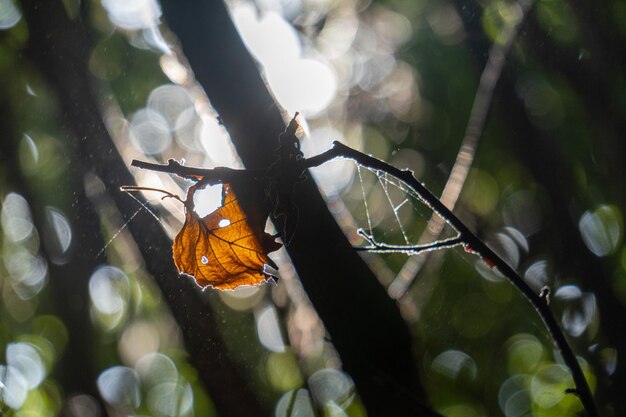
365, 325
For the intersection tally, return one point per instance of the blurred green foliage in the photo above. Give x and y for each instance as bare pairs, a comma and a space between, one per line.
546, 191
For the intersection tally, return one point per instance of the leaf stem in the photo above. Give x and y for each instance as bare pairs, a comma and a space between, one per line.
135, 188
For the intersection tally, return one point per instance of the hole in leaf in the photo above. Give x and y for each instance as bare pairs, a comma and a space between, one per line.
204, 260
208, 199
223, 222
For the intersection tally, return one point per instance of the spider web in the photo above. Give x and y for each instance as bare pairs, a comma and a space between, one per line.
143, 206
395, 216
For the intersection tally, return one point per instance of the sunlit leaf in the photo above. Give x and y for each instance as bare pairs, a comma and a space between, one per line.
223, 250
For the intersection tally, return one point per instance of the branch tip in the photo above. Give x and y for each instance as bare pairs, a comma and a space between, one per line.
472, 244
544, 294
572, 391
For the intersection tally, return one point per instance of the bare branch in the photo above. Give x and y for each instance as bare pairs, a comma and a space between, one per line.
474, 245
135, 188
378, 247
209, 175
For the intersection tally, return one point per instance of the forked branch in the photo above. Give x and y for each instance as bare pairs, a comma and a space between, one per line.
473, 244
465, 237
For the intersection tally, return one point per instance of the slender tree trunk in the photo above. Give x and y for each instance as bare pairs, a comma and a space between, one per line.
68, 279
60, 48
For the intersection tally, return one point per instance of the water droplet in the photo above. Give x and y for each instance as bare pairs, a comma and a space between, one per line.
204, 260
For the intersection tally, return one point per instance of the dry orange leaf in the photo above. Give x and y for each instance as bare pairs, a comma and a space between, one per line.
223, 250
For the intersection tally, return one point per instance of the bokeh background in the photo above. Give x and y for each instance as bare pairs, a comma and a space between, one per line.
87, 330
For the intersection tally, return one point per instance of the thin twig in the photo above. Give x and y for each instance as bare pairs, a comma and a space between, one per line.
474, 245
473, 132
136, 188
378, 247
209, 175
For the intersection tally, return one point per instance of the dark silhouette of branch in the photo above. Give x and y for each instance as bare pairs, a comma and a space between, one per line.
466, 238
213, 175
474, 245
366, 327
551, 167
60, 48
227, 175
552, 171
